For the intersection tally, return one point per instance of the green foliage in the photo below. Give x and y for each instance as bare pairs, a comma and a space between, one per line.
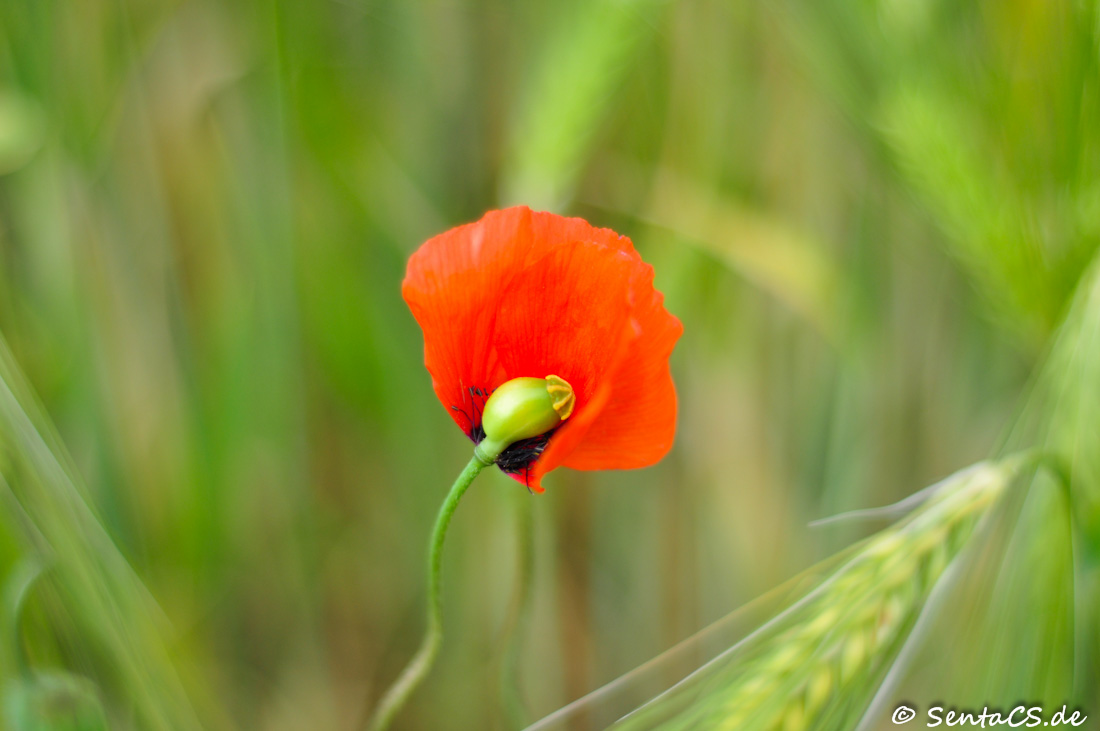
820, 662
53, 702
876, 220
116, 620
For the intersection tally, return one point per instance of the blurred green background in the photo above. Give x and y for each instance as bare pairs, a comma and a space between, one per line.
870, 217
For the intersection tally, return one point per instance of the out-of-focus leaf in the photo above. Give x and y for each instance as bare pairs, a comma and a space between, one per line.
573, 88
1066, 405
819, 661
116, 611
787, 263
984, 218
22, 130
53, 701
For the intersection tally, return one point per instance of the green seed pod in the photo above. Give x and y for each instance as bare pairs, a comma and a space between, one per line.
523, 408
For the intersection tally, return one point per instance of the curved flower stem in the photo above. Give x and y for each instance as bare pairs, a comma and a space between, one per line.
417, 669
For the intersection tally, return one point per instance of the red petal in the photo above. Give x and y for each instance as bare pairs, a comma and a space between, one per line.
573, 314
453, 285
529, 294
567, 314
637, 425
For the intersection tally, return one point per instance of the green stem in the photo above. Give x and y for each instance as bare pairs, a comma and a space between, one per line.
418, 668
19, 586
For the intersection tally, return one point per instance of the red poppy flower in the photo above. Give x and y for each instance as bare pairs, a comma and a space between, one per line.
522, 293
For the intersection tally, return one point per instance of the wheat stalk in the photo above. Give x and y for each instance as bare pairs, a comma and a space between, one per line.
819, 660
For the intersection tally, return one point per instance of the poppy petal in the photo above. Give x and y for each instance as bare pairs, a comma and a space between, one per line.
637, 425
452, 286
570, 314
523, 293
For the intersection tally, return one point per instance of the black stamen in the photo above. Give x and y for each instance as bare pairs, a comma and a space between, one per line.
463, 412
519, 456
474, 431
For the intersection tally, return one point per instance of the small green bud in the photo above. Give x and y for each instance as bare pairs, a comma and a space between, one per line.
520, 409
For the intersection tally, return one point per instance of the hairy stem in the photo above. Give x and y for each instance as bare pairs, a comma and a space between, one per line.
421, 663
